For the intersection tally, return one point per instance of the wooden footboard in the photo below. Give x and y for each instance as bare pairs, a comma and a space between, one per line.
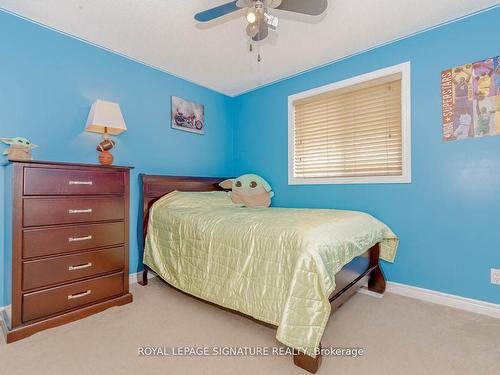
360, 271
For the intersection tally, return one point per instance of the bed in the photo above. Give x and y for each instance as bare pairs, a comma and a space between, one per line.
289, 268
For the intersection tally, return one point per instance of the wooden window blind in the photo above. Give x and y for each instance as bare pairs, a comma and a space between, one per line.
354, 131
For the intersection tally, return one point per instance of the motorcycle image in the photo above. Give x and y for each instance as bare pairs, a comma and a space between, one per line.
188, 121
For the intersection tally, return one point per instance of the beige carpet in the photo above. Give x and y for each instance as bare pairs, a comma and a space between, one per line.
399, 335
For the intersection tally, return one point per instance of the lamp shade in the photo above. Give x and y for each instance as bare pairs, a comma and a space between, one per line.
105, 117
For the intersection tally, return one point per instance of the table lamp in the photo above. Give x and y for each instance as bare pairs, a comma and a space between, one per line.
105, 118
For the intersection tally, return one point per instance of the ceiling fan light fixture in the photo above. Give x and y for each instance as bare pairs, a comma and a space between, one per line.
252, 30
251, 16
258, 17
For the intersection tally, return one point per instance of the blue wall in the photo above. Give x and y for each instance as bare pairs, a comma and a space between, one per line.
48, 82
2, 239
448, 218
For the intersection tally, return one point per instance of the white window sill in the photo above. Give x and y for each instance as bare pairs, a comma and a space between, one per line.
350, 180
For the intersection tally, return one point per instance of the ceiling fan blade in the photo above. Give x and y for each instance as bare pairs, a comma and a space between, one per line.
251, 3
244, 3
216, 12
310, 7
274, 3
263, 32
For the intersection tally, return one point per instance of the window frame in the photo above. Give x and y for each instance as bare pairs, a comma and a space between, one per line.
405, 70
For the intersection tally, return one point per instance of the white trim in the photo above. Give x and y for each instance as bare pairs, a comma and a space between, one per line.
450, 300
364, 290
405, 70
134, 278
8, 307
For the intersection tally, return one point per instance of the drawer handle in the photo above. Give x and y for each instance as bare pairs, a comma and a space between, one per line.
80, 267
79, 295
80, 182
75, 239
84, 211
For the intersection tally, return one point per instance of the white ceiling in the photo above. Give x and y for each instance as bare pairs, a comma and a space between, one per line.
163, 34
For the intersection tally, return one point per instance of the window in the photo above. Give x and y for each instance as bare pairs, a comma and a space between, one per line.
353, 131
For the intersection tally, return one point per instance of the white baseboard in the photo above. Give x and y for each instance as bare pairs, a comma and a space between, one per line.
364, 290
134, 278
450, 300
8, 307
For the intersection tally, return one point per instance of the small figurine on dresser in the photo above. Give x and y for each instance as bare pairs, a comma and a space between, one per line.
20, 148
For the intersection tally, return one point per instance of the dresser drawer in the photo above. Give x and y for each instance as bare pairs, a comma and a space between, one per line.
45, 272
56, 300
50, 181
71, 210
53, 241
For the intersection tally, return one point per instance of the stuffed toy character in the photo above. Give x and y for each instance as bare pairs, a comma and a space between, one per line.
249, 190
20, 148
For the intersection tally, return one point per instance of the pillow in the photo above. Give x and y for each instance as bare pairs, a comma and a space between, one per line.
182, 199
249, 190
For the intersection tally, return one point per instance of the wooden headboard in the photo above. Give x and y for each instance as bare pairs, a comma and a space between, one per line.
154, 187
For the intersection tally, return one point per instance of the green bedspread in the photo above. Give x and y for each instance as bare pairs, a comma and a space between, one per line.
277, 265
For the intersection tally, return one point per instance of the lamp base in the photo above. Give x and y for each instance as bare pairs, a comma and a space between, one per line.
105, 158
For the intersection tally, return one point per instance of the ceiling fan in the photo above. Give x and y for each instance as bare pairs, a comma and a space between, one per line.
258, 16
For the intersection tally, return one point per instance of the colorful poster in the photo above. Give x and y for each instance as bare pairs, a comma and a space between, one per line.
471, 100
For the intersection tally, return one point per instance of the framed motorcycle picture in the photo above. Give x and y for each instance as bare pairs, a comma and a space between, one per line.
188, 116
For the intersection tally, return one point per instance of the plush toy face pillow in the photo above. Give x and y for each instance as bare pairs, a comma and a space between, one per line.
249, 190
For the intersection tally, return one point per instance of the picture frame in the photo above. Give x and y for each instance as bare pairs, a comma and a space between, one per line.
187, 116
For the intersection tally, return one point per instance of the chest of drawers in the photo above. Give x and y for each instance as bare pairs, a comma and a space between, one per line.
66, 253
